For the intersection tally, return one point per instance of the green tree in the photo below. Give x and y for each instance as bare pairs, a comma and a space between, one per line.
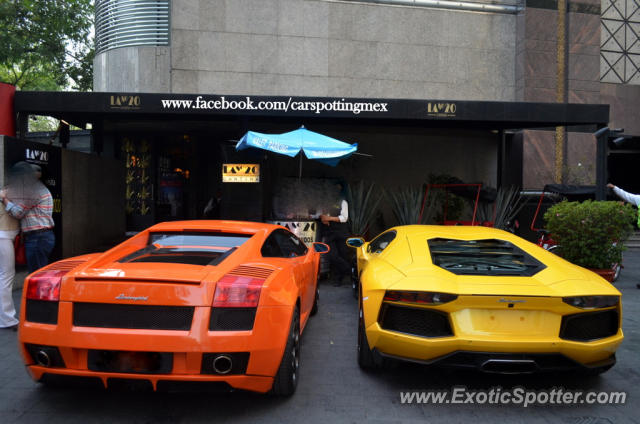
46, 44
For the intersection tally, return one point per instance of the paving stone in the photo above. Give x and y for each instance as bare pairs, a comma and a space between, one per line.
332, 388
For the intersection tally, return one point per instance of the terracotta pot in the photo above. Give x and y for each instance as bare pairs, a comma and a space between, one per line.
607, 274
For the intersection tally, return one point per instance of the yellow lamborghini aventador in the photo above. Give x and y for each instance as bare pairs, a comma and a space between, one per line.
481, 298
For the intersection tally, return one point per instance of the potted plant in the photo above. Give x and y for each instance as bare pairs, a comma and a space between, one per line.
591, 233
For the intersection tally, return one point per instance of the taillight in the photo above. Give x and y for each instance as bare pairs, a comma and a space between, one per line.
592, 302
424, 298
45, 285
233, 291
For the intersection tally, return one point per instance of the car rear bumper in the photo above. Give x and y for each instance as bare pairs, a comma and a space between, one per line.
506, 363
188, 353
253, 383
432, 350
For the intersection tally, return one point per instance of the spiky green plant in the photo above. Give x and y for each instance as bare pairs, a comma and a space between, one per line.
509, 203
364, 201
406, 204
504, 209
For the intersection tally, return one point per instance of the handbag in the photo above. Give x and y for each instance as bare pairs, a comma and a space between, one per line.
18, 246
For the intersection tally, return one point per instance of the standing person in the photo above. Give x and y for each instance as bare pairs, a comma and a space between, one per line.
9, 228
634, 199
28, 200
212, 209
335, 233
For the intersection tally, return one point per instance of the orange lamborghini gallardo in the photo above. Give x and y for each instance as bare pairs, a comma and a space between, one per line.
213, 303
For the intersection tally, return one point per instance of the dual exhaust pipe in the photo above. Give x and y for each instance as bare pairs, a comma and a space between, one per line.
221, 364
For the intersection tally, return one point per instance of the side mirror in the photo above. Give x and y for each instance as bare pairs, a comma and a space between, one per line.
321, 248
355, 241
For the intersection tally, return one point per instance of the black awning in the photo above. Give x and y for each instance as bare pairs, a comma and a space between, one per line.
89, 107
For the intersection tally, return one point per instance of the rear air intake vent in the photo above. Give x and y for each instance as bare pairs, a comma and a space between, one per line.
417, 321
64, 265
587, 326
42, 311
251, 271
232, 319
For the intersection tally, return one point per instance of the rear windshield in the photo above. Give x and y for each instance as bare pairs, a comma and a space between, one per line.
188, 248
482, 257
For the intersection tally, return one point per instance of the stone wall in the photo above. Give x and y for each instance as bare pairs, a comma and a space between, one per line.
537, 77
133, 69
624, 100
322, 48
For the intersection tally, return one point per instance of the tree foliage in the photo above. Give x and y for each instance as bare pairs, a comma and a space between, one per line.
46, 44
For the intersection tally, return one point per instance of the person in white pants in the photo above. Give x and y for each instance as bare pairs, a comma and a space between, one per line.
9, 228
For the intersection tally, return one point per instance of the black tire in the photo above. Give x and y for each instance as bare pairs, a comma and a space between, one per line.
366, 361
355, 285
286, 379
314, 308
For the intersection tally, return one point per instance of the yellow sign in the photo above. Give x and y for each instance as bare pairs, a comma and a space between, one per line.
441, 109
125, 102
240, 173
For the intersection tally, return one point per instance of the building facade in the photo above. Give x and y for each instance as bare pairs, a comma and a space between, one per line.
498, 93
583, 51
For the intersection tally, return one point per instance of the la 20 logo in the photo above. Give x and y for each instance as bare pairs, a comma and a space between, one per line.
127, 101
37, 155
441, 108
240, 169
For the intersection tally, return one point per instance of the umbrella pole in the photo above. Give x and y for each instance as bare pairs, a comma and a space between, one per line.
300, 168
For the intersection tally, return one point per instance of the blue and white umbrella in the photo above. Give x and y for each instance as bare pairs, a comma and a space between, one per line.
315, 146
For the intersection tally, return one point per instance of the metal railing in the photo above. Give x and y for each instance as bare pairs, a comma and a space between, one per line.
126, 23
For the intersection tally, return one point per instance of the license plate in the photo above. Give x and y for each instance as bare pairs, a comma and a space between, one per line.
130, 362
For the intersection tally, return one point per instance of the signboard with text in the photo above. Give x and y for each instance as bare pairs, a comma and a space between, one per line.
240, 173
305, 230
498, 114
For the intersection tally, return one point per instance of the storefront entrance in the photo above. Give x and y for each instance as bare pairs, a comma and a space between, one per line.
174, 150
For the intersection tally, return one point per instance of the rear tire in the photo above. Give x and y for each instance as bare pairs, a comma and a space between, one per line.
286, 379
366, 361
355, 283
356, 288
314, 308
